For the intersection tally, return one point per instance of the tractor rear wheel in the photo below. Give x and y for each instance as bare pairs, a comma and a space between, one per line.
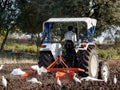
88, 60
45, 59
103, 71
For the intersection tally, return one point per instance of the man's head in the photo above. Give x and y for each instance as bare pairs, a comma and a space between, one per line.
70, 28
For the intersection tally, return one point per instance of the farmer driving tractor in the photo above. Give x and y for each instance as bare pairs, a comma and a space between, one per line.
69, 45
70, 35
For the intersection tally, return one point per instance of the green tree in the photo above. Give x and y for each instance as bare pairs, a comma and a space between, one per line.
107, 13
29, 20
35, 12
117, 39
8, 16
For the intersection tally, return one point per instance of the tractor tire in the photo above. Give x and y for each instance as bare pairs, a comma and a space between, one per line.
88, 60
103, 71
45, 59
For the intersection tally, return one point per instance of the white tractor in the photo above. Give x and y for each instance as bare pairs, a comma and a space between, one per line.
53, 45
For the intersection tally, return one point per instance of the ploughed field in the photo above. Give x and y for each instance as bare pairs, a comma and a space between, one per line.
17, 83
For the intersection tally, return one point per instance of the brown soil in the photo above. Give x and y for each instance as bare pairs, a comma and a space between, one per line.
16, 83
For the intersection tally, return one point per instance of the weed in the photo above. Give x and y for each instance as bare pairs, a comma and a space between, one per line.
110, 53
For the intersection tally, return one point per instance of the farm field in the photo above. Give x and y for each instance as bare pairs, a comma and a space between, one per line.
35, 33
17, 83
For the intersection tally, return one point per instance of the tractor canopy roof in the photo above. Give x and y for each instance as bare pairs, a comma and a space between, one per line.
90, 21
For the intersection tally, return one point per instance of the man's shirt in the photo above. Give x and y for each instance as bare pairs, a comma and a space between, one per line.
70, 36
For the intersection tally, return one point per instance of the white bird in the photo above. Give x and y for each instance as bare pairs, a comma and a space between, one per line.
39, 70
1, 67
34, 80
4, 81
115, 79
17, 71
42, 69
58, 81
35, 67
76, 79
105, 79
91, 78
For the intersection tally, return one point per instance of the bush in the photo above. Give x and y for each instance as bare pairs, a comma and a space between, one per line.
110, 53
15, 47
117, 43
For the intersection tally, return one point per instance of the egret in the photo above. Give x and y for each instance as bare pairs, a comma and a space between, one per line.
17, 71
38, 70
34, 80
42, 70
1, 67
91, 78
4, 81
58, 81
35, 67
76, 79
115, 79
105, 79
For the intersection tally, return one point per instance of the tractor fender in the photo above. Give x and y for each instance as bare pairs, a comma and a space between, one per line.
54, 48
84, 46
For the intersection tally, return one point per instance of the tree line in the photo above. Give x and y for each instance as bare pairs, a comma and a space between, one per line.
28, 15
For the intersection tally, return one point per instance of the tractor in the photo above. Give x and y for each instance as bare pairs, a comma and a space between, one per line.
52, 46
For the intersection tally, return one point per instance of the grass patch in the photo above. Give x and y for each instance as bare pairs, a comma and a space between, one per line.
18, 51
19, 45
110, 53
15, 47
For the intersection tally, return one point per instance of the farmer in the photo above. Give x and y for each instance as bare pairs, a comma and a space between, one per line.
70, 40
70, 35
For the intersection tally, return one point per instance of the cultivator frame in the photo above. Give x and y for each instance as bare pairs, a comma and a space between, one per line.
64, 71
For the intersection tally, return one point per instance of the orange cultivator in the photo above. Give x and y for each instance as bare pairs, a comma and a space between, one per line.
64, 72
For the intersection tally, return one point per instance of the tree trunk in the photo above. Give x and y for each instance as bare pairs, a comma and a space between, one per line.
38, 43
4, 41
